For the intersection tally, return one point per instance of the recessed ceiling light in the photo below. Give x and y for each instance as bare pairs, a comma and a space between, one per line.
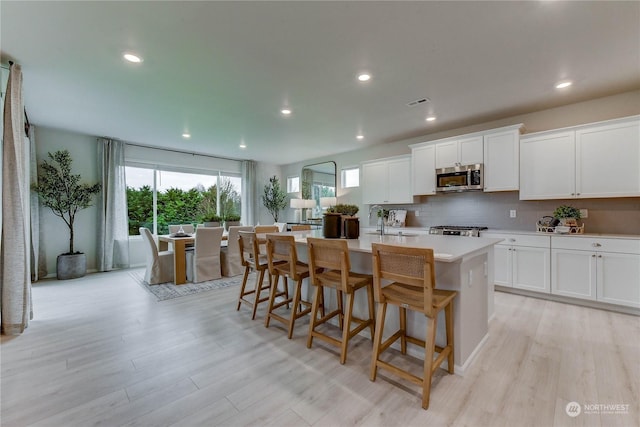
430, 118
186, 135
360, 137
563, 85
364, 77
132, 58
242, 145
285, 111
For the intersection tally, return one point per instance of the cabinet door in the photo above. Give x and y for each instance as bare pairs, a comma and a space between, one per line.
502, 265
423, 170
573, 273
399, 181
501, 161
374, 183
470, 150
531, 268
547, 166
619, 278
446, 154
608, 160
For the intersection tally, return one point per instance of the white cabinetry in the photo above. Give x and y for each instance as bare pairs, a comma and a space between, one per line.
387, 181
460, 151
597, 160
605, 270
501, 159
522, 261
423, 167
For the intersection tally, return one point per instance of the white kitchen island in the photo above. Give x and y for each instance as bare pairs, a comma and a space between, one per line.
463, 264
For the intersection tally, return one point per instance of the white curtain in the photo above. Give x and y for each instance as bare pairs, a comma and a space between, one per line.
113, 227
248, 192
38, 261
15, 283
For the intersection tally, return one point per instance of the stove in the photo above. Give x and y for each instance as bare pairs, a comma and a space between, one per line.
457, 230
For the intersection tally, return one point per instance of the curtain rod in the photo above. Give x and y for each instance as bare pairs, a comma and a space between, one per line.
180, 151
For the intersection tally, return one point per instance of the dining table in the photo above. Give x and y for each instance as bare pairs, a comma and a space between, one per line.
179, 244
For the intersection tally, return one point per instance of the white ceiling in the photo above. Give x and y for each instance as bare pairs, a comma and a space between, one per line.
223, 70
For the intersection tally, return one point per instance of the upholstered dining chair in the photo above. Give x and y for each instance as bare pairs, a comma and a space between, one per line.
230, 255
203, 262
412, 272
159, 264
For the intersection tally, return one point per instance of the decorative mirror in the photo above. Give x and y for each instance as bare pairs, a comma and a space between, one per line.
318, 180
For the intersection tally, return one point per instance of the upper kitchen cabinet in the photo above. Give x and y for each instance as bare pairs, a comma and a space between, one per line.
597, 160
386, 181
502, 158
466, 150
423, 166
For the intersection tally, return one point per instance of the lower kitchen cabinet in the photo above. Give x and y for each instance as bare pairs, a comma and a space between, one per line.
605, 270
522, 261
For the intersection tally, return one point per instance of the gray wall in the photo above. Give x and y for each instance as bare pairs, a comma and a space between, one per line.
620, 215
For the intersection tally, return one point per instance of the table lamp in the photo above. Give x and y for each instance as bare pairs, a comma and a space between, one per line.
298, 205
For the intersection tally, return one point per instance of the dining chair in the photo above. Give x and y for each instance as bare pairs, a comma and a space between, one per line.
282, 258
203, 261
261, 229
412, 272
252, 259
230, 255
159, 264
330, 267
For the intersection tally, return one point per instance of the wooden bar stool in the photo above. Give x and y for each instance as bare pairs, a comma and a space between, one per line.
333, 257
413, 274
252, 259
301, 227
283, 261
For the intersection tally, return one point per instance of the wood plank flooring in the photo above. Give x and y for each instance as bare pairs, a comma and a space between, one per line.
102, 352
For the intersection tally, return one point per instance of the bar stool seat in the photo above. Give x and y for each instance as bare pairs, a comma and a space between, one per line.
330, 267
412, 271
282, 248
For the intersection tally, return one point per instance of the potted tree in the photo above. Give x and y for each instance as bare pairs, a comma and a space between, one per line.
63, 192
274, 198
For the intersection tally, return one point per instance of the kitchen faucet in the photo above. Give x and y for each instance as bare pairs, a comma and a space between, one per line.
378, 209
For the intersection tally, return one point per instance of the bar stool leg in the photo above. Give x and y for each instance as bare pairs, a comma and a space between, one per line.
272, 297
340, 307
346, 329
403, 327
314, 315
258, 288
430, 343
377, 340
372, 312
295, 309
243, 287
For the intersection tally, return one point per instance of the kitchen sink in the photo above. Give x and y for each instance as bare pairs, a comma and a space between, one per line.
373, 233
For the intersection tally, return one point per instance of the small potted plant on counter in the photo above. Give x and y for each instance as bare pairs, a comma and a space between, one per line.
568, 215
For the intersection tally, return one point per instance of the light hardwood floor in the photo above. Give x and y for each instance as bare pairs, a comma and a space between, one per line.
102, 352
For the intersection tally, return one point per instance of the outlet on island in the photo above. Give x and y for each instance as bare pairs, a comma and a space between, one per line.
512, 213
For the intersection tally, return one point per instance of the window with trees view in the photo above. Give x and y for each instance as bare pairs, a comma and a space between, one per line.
158, 198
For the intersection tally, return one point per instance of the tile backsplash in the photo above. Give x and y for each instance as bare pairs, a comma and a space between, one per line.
610, 216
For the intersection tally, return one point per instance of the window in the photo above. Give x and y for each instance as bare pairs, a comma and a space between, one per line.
157, 197
350, 177
293, 184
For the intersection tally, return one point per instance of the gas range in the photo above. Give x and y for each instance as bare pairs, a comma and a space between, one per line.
457, 230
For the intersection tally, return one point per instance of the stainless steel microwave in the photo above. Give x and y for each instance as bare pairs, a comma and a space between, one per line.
460, 178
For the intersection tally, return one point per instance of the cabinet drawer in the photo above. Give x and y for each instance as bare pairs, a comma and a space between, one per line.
626, 246
521, 239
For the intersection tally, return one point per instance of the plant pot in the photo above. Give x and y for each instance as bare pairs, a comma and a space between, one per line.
71, 266
228, 224
332, 226
351, 227
569, 222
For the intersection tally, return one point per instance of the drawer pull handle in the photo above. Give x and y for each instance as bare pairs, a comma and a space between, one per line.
596, 245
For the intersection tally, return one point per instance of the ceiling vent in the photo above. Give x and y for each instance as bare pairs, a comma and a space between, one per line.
418, 102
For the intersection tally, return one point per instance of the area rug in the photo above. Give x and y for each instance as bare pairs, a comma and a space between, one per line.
165, 291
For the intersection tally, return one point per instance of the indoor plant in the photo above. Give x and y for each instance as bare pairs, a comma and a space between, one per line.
63, 192
568, 215
212, 220
231, 220
274, 198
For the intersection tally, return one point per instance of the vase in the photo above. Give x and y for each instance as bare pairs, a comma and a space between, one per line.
332, 226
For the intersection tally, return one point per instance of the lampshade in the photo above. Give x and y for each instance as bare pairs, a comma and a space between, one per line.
309, 203
327, 202
297, 203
